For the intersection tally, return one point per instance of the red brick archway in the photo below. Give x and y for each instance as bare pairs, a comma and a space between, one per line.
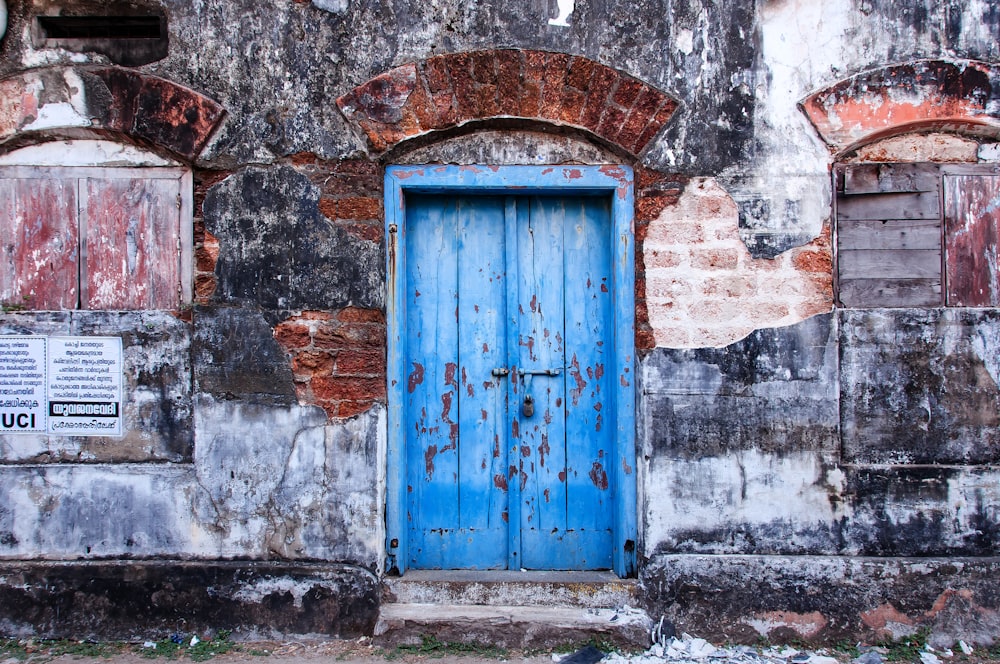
70, 102
554, 89
917, 96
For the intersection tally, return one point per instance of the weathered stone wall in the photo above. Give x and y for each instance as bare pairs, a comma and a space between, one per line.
778, 439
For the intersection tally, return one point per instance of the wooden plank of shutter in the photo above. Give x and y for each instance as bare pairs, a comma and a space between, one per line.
972, 236
888, 178
863, 293
890, 264
921, 205
39, 251
132, 239
890, 234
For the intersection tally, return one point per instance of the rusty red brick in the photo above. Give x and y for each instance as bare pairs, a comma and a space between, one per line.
204, 287
360, 315
532, 83
601, 86
435, 72
154, 110
351, 388
352, 408
460, 69
382, 98
653, 128
484, 67
643, 112
571, 107
363, 361
292, 334
509, 82
349, 335
556, 65
422, 104
309, 363
581, 71
611, 123
627, 91
372, 231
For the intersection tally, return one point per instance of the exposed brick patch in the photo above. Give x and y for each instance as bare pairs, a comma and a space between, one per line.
144, 109
700, 285
337, 358
556, 88
206, 254
916, 96
654, 192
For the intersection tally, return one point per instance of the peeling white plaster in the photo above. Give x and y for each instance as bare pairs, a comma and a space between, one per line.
566, 8
83, 152
989, 152
685, 42
59, 114
787, 491
332, 6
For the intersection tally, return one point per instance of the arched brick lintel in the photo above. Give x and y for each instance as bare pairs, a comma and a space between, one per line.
105, 101
448, 91
926, 95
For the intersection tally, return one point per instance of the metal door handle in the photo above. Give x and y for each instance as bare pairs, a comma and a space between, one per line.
539, 372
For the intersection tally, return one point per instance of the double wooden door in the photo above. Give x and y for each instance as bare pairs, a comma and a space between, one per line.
507, 413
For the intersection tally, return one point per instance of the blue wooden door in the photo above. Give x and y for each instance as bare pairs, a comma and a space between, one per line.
507, 442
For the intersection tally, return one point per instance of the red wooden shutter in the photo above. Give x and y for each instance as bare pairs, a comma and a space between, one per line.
132, 228
39, 250
972, 235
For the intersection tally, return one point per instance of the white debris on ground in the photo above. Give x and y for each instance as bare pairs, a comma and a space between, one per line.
691, 650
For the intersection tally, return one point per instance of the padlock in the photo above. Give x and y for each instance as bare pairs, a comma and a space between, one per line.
528, 407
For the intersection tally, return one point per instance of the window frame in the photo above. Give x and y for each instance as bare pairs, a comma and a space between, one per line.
185, 208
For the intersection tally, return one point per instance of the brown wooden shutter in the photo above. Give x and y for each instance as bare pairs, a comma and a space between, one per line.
889, 235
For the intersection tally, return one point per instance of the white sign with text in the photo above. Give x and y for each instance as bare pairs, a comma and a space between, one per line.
65, 386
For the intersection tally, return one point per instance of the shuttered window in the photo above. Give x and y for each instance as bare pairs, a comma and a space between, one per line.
94, 238
917, 235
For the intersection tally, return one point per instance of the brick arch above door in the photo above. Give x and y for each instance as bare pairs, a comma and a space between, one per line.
105, 102
461, 89
923, 95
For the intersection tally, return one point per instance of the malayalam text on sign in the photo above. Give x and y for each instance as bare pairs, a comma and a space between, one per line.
67, 386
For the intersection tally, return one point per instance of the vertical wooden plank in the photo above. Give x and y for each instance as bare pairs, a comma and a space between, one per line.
481, 415
432, 382
590, 388
132, 243
39, 243
972, 235
542, 462
515, 219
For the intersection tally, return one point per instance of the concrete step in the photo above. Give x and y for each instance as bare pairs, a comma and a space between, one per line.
596, 590
512, 609
516, 627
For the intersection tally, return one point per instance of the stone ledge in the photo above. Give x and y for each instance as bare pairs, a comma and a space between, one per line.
131, 600
825, 599
511, 626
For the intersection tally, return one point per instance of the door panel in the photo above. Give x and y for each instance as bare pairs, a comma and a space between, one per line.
520, 285
565, 519
454, 407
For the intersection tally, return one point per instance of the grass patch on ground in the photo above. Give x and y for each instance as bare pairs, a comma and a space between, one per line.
431, 647
43, 650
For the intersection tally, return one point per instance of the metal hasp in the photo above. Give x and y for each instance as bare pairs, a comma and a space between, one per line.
500, 270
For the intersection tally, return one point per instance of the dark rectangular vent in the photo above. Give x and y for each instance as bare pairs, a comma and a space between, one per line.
100, 27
